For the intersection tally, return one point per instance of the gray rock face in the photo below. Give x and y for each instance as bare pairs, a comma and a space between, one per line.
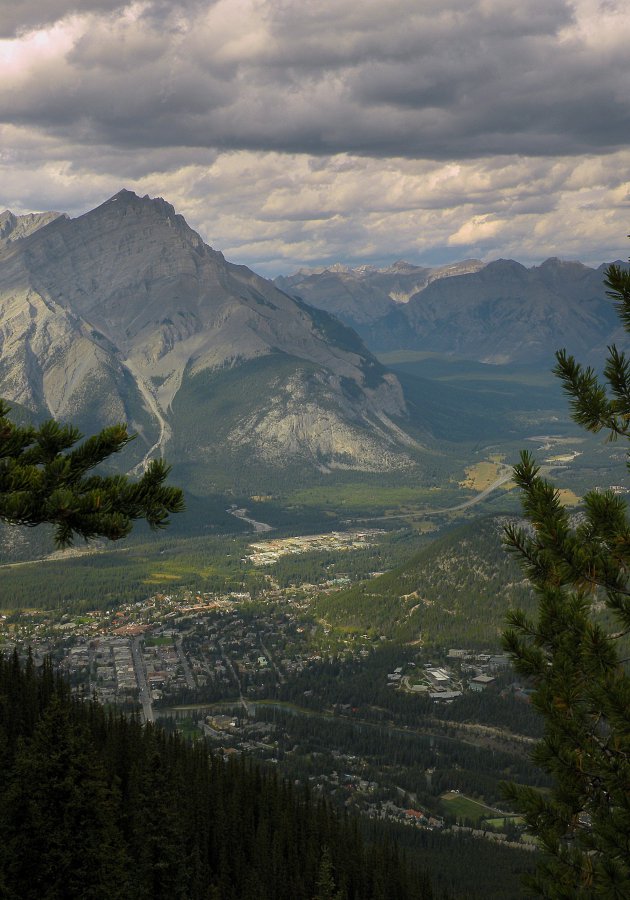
104, 317
362, 296
12, 227
496, 313
507, 313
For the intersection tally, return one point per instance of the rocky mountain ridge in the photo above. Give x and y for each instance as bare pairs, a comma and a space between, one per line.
499, 312
363, 295
106, 317
13, 227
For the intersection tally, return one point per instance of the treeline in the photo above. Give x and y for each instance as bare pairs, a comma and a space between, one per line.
93, 805
471, 868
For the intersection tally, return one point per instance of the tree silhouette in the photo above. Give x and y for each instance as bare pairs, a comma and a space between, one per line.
46, 477
577, 650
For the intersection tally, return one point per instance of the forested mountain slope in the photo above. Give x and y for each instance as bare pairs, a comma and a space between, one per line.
93, 805
457, 590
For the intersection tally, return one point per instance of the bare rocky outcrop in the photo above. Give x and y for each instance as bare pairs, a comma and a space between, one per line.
110, 313
13, 227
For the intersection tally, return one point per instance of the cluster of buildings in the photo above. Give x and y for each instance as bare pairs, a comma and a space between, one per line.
443, 684
267, 552
212, 646
208, 648
202, 663
232, 733
413, 817
107, 667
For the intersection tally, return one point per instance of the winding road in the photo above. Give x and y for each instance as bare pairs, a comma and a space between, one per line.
421, 514
502, 479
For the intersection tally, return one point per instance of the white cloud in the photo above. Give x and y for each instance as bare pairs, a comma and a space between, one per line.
292, 132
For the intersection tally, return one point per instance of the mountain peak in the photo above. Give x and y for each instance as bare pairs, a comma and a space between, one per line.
13, 227
401, 266
508, 264
127, 199
554, 262
125, 194
125, 211
131, 314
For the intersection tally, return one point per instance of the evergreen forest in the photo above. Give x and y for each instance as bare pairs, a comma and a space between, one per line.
94, 805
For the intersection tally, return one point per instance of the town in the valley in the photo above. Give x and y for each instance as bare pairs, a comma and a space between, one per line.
244, 676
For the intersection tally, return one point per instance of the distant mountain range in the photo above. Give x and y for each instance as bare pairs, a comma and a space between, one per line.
498, 312
363, 295
124, 314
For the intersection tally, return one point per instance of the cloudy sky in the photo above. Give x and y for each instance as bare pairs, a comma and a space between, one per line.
301, 132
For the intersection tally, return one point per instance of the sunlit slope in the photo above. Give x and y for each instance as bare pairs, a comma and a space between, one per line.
454, 592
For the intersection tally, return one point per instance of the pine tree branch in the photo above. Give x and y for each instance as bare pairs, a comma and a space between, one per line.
582, 687
44, 478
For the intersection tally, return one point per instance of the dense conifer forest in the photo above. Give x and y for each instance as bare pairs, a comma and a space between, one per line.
95, 805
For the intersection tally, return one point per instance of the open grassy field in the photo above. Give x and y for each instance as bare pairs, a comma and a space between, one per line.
498, 821
482, 474
370, 498
456, 804
568, 497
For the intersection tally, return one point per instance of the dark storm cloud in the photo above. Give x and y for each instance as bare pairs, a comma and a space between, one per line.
405, 78
23, 15
290, 132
